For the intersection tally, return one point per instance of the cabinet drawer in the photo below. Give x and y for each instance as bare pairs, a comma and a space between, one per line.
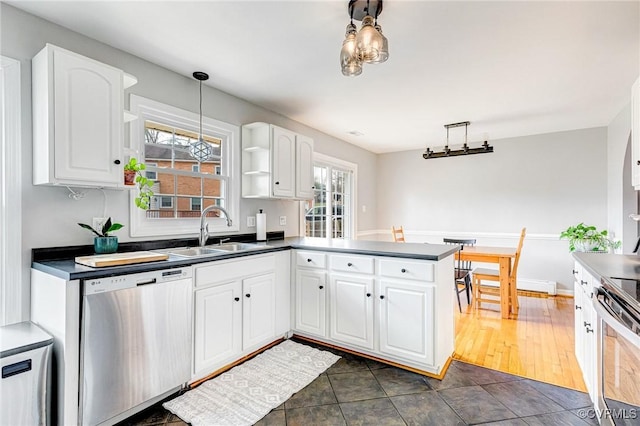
311, 259
407, 269
358, 264
225, 271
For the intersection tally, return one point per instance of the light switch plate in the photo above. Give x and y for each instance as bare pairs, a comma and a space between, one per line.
251, 221
283, 220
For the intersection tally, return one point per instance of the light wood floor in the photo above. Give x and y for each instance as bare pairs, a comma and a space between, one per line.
538, 345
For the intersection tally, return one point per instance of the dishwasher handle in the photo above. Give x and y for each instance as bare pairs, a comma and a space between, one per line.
147, 282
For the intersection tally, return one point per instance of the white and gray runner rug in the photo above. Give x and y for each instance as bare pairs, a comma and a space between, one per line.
247, 392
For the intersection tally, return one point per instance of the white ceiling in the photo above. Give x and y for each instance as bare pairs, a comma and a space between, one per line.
511, 68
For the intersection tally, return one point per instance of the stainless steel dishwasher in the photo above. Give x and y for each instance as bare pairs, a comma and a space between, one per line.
135, 342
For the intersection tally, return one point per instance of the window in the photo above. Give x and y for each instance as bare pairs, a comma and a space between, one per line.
163, 135
151, 174
330, 213
166, 202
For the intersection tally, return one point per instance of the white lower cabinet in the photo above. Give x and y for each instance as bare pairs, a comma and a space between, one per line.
311, 302
236, 310
258, 310
383, 307
351, 307
407, 320
585, 328
218, 320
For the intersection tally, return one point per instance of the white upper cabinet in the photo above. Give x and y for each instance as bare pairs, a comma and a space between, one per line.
635, 134
276, 163
78, 120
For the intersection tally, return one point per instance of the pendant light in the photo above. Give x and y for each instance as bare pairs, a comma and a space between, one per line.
464, 150
367, 45
201, 150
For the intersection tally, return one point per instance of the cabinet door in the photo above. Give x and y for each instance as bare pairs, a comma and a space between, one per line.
578, 326
304, 167
258, 311
351, 308
218, 325
88, 129
407, 320
310, 302
284, 144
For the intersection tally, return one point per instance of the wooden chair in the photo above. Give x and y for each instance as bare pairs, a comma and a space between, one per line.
484, 274
462, 270
398, 234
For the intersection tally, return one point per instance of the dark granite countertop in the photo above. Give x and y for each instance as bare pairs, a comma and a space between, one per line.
67, 269
610, 265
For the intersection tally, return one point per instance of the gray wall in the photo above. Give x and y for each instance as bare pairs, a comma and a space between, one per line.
50, 216
543, 182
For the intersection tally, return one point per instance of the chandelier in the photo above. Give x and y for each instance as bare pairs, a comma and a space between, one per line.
367, 45
465, 149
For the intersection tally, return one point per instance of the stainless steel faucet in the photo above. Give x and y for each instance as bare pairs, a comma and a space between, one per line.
204, 229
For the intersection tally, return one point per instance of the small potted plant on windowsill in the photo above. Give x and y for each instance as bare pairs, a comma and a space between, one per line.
133, 175
586, 238
103, 242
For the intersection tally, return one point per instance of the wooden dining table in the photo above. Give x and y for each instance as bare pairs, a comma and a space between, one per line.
502, 256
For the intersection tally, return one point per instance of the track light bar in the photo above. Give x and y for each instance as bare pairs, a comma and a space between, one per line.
465, 150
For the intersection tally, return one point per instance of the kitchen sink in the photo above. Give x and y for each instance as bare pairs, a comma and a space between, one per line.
194, 251
238, 246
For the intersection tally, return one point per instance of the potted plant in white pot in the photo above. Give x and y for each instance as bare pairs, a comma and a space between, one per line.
587, 238
103, 242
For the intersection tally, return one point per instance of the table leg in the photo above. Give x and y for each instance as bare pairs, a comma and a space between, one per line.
505, 291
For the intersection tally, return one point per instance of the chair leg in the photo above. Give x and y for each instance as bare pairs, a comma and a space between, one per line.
467, 286
476, 292
455, 288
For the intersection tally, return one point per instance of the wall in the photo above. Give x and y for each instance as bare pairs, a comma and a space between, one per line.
50, 216
621, 197
543, 182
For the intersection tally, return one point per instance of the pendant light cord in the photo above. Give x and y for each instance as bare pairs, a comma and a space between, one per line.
200, 138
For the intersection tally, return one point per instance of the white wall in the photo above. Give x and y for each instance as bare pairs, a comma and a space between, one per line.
621, 197
50, 216
542, 182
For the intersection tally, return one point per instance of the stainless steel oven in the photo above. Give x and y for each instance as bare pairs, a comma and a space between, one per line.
617, 304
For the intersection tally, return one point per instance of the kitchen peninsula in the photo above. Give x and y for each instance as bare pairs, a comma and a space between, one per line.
391, 302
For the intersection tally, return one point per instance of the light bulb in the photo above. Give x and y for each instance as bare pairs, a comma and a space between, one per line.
368, 41
349, 61
383, 50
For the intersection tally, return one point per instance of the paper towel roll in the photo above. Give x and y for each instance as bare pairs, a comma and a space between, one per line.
261, 226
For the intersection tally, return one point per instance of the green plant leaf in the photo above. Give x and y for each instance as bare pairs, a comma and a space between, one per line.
85, 226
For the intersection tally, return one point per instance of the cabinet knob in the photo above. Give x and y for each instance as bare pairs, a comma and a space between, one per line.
321, 287
638, 162
349, 264
573, 271
589, 330
237, 299
578, 307
313, 187
583, 282
248, 295
116, 162
368, 294
381, 296
587, 324
403, 270
277, 183
308, 260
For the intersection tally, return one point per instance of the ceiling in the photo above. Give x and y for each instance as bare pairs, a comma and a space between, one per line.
511, 68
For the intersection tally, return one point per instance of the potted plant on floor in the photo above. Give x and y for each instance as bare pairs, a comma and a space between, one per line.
103, 242
587, 238
133, 175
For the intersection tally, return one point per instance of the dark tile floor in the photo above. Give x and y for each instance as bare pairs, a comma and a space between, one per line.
357, 391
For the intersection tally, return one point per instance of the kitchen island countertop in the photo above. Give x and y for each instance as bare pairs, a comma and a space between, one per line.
610, 265
69, 270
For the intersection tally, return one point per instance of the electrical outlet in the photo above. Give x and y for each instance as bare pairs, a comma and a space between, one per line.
251, 221
283, 220
98, 222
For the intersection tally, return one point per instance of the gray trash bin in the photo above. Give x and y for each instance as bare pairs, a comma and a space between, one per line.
25, 353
